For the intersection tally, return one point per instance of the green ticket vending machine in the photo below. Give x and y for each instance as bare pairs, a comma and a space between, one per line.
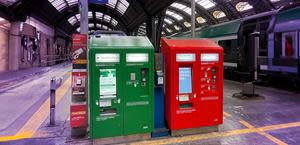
121, 91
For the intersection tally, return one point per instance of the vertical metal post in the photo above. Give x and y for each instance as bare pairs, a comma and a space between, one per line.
84, 19
52, 101
256, 53
193, 6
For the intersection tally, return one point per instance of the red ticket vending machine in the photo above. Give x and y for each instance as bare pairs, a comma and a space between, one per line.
194, 83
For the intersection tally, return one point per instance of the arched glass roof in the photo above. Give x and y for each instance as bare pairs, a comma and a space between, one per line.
98, 15
120, 6
210, 12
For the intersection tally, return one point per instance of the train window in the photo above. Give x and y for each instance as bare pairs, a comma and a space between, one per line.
230, 49
285, 44
228, 45
289, 44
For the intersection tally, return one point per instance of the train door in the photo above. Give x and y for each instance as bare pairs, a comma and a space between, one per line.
285, 52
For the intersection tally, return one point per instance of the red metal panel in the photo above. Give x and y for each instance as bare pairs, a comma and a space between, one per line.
78, 116
203, 106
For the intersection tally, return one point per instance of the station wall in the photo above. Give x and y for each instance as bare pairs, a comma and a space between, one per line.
33, 44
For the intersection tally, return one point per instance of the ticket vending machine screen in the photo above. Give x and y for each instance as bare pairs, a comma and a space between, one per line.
185, 80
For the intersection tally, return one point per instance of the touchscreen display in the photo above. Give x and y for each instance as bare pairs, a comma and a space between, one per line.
185, 80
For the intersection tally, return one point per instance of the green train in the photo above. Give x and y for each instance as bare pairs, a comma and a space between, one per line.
274, 28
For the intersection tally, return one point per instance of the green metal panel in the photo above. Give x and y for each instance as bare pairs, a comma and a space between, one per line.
115, 42
134, 98
288, 15
220, 30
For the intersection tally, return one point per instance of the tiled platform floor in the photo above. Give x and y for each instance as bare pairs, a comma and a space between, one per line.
271, 119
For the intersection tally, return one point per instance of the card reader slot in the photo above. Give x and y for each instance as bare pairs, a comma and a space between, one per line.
108, 111
185, 105
108, 96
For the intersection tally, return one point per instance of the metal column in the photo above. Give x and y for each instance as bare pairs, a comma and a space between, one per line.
151, 29
84, 19
256, 53
193, 18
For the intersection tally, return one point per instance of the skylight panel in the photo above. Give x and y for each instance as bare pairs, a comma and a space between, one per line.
90, 15
91, 25
104, 27
182, 7
72, 20
274, 1
58, 4
243, 6
99, 15
78, 16
107, 18
72, 2
169, 21
114, 22
206, 3
98, 25
174, 15
122, 6
8, 2
112, 3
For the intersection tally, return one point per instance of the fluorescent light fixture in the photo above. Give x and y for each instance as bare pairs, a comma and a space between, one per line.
137, 57
219, 14
185, 57
107, 57
209, 57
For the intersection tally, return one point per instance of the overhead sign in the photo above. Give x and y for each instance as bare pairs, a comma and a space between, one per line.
99, 1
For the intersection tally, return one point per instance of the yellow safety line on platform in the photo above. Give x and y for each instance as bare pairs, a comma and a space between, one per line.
15, 137
270, 137
227, 114
215, 135
36, 120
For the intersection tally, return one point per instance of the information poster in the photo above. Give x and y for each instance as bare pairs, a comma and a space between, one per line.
185, 80
108, 82
79, 48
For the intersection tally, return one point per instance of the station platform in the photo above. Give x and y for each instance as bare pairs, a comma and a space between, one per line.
271, 119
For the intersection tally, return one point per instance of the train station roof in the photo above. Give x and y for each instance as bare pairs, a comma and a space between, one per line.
128, 15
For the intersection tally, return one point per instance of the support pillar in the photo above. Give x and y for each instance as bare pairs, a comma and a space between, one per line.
84, 19
14, 47
193, 6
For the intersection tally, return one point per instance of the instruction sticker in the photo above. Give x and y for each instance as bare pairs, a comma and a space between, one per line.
108, 82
